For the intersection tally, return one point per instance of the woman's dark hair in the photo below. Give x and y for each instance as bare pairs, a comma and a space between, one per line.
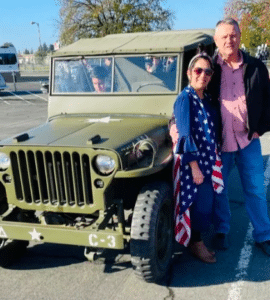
201, 53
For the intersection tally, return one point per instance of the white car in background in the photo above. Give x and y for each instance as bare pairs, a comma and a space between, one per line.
2, 83
9, 63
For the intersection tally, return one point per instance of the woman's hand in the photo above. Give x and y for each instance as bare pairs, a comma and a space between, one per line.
197, 174
174, 134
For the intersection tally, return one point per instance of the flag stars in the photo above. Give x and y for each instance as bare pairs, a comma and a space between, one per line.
202, 128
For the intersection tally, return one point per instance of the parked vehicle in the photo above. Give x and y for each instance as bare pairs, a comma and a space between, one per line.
2, 83
98, 173
9, 63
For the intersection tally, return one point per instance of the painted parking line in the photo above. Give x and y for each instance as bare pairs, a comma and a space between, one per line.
37, 96
246, 252
4, 100
19, 97
242, 266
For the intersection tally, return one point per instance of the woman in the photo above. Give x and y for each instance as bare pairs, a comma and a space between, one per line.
193, 131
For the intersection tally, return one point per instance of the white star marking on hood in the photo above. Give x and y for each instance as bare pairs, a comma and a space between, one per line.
35, 235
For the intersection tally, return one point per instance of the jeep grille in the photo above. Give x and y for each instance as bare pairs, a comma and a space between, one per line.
52, 177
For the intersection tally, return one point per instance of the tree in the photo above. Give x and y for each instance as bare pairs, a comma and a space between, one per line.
8, 45
97, 18
41, 53
51, 48
45, 48
26, 51
254, 20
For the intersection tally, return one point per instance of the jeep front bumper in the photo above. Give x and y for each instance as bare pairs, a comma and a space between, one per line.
59, 234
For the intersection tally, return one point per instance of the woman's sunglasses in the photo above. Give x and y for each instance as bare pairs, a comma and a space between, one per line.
208, 72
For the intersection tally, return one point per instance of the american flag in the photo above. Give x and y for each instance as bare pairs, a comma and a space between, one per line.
185, 190
182, 227
182, 221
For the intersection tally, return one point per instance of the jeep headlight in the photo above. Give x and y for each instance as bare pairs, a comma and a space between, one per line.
139, 154
4, 161
105, 164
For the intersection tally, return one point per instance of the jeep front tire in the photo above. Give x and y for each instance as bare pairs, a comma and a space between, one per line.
151, 242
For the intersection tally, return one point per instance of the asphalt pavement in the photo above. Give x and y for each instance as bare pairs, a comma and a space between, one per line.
50, 271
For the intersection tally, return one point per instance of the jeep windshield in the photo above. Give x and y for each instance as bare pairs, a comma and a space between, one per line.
99, 75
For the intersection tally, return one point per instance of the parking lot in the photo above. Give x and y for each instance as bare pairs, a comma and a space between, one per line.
22, 106
27, 89
50, 271
10, 96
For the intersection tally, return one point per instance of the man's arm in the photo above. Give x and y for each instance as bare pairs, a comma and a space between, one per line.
265, 120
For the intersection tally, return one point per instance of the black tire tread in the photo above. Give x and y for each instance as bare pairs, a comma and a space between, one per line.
144, 220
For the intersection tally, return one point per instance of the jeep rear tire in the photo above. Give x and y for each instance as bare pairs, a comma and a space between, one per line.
151, 242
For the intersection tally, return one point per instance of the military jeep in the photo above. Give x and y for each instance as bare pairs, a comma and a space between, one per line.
98, 173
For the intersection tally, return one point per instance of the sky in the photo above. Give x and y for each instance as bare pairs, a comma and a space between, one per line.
17, 15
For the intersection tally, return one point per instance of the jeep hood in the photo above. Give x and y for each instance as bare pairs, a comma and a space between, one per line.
107, 132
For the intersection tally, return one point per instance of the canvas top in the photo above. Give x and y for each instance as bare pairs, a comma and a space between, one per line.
141, 42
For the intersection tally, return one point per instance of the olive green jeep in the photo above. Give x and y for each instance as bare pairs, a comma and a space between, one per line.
98, 173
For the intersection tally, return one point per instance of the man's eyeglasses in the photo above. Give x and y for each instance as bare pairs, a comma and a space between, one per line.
208, 72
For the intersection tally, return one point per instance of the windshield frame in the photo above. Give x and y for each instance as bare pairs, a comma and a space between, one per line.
114, 57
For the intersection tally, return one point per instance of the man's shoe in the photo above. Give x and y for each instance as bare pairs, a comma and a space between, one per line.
220, 241
265, 246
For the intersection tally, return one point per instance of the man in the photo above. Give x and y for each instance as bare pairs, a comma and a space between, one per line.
98, 76
153, 65
241, 88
